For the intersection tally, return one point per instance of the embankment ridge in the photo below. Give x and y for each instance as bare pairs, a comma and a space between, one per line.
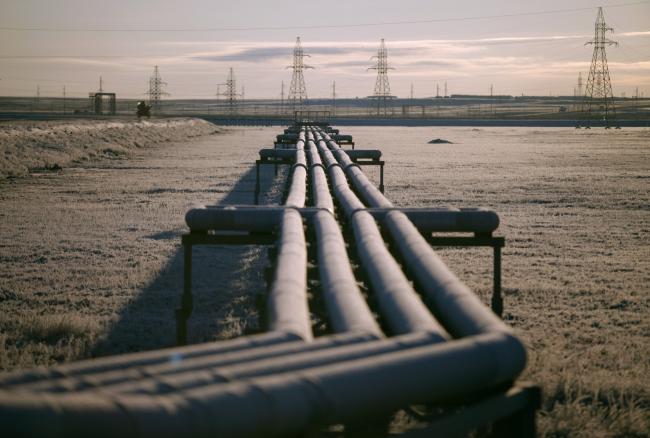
51, 145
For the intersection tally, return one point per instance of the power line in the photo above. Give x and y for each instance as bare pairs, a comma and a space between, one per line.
317, 26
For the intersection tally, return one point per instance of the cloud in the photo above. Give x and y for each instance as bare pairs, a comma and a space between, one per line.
265, 53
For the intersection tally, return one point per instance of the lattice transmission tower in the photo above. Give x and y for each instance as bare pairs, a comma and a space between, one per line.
156, 89
231, 92
382, 87
297, 90
599, 98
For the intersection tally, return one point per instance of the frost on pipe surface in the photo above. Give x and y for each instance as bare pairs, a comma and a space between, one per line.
233, 219
287, 300
400, 304
346, 307
64, 380
300, 360
278, 405
431, 220
460, 310
146, 358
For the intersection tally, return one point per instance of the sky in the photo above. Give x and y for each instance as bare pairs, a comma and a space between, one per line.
517, 47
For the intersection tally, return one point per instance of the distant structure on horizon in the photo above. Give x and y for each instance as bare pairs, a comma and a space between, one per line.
156, 89
102, 102
298, 90
231, 92
599, 98
577, 92
382, 87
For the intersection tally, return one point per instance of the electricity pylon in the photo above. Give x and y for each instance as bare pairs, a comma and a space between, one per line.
297, 89
599, 98
156, 89
382, 87
231, 92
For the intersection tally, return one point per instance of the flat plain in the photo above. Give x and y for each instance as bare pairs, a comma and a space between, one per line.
92, 264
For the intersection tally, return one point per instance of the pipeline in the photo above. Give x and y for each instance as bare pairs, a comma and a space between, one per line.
287, 307
203, 375
461, 311
266, 219
279, 405
60, 379
400, 304
147, 358
347, 309
283, 382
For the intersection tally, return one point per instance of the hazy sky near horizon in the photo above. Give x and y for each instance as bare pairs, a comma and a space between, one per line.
529, 47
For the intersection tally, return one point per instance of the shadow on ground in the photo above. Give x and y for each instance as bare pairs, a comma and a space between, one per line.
226, 280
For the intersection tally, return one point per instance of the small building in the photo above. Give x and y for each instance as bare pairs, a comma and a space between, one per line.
103, 103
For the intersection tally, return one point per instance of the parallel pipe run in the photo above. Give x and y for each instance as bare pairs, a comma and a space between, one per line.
346, 307
279, 405
461, 311
120, 381
301, 360
287, 301
370, 194
125, 362
348, 201
401, 306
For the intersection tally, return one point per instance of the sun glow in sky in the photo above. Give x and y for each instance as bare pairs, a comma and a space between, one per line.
528, 47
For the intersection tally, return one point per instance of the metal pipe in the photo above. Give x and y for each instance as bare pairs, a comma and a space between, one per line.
287, 300
346, 307
179, 363
298, 188
147, 358
313, 158
321, 196
261, 219
354, 154
301, 158
366, 189
278, 405
344, 195
213, 375
431, 220
266, 219
278, 153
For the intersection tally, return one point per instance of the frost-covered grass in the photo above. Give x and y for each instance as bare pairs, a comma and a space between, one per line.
49, 146
90, 256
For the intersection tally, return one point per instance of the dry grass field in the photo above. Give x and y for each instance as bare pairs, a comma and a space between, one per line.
91, 262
